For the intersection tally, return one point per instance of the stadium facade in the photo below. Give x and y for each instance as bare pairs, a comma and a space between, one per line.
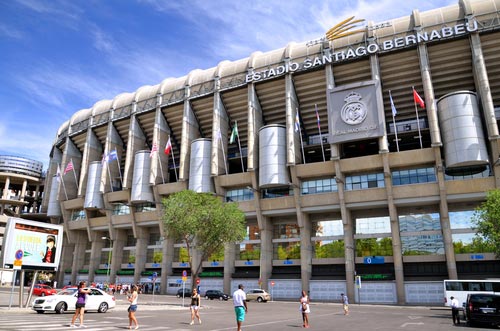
362, 155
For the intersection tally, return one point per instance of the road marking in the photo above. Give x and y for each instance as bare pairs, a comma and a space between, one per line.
410, 323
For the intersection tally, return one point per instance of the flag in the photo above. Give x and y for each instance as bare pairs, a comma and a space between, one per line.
297, 121
69, 167
394, 111
234, 133
317, 117
418, 100
154, 150
113, 155
168, 147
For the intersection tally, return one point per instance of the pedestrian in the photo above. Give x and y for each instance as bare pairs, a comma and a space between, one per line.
195, 306
455, 310
240, 305
132, 298
80, 304
345, 303
304, 308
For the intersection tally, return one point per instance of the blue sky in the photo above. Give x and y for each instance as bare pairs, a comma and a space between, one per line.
61, 56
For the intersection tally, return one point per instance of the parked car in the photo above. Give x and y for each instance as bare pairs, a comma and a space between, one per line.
258, 295
43, 290
483, 308
65, 300
184, 292
216, 294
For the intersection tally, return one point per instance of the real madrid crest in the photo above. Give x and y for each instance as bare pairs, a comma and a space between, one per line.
354, 111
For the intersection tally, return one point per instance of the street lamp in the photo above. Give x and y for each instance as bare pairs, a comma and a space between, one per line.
109, 256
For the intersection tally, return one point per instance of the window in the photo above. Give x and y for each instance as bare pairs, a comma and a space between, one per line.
366, 181
421, 234
413, 176
278, 192
286, 250
145, 207
241, 194
77, 215
324, 185
121, 209
285, 231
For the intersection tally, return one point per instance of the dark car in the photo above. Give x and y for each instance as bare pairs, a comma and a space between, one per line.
184, 292
216, 294
483, 308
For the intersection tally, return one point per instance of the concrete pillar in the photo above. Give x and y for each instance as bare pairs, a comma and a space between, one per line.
95, 256
166, 262
266, 251
330, 84
136, 142
375, 69
397, 252
229, 268
119, 241
5, 194
21, 196
141, 248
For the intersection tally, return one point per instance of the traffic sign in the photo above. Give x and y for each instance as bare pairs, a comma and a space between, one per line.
272, 283
197, 281
373, 260
184, 273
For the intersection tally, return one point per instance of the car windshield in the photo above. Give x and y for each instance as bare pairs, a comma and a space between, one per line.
68, 291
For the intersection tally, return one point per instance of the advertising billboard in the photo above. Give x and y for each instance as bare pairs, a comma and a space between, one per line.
31, 245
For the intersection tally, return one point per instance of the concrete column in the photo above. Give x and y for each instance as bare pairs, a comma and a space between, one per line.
36, 196
119, 241
330, 84
397, 252
484, 92
229, 268
190, 132
266, 252
375, 69
255, 122
76, 257
21, 196
5, 194
141, 248
166, 262
136, 142
445, 220
305, 253
95, 257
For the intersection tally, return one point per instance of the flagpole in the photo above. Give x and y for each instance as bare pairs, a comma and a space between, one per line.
298, 126
393, 108
319, 130
61, 176
161, 167
173, 160
418, 121
74, 173
119, 168
219, 134
241, 154
109, 173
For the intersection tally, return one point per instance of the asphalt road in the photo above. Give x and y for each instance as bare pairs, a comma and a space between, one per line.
167, 313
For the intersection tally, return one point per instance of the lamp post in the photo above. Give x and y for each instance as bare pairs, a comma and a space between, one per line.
109, 256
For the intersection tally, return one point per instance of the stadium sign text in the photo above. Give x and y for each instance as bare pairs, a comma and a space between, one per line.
352, 53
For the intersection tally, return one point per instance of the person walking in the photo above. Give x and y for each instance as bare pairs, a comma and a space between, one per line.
345, 303
132, 298
80, 304
195, 306
304, 308
240, 305
455, 310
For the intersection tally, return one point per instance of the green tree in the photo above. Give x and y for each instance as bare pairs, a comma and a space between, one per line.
487, 220
204, 223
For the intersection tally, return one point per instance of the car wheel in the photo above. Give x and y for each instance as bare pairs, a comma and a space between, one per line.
178, 295
103, 307
259, 299
43, 294
61, 308
40, 311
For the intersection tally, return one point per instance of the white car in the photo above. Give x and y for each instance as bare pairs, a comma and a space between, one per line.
65, 300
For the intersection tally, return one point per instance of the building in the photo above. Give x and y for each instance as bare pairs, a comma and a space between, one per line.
359, 154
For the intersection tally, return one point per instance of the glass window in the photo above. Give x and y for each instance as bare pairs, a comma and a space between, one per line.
249, 252
253, 232
413, 176
466, 243
286, 250
240, 194
374, 247
181, 255
121, 209
419, 222
318, 186
324, 249
77, 215
425, 244
328, 228
373, 225
461, 219
285, 231
278, 192
144, 207
364, 181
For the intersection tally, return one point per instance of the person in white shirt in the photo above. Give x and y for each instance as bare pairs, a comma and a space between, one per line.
455, 310
240, 305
